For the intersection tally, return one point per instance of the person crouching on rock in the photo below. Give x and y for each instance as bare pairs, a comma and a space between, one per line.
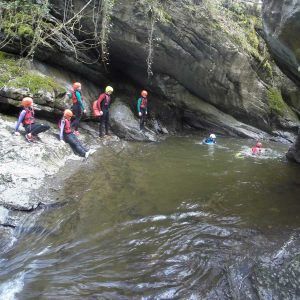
103, 104
142, 107
77, 107
257, 149
66, 135
26, 117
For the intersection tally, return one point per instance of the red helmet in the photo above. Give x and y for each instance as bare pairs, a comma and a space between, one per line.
144, 93
76, 85
258, 145
27, 101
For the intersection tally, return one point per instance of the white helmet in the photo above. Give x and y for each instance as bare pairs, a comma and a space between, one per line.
212, 136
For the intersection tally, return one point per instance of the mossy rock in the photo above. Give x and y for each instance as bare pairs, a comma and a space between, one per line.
14, 74
276, 103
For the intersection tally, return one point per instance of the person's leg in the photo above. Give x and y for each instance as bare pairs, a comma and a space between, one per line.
38, 128
106, 122
75, 143
101, 121
77, 114
142, 119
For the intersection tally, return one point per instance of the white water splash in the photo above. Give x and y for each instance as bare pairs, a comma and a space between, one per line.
8, 290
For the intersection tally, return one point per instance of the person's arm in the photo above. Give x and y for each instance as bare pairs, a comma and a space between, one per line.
79, 99
139, 105
62, 127
20, 120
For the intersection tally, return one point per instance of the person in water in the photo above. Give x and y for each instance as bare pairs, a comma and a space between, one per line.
66, 135
27, 118
257, 149
77, 107
142, 107
211, 139
103, 104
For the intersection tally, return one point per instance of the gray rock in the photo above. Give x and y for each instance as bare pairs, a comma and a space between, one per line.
125, 125
282, 25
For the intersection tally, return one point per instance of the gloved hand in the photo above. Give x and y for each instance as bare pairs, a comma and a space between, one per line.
17, 133
84, 111
140, 114
101, 113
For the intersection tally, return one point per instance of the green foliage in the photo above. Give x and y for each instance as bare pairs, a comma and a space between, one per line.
13, 74
34, 83
276, 103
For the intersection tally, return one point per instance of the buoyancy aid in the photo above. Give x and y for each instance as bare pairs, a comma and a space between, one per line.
67, 127
105, 102
29, 117
74, 98
144, 102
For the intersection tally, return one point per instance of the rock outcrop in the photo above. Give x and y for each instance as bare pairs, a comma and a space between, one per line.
281, 27
199, 67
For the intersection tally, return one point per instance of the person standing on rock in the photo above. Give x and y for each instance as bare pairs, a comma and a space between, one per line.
66, 135
103, 104
77, 107
26, 117
142, 107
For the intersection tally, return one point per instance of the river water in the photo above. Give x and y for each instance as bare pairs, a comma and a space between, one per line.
169, 220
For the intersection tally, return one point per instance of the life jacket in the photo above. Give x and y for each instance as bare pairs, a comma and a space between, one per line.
144, 103
256, 150
105, 102
96, 110
29, 117
74, 98
67, 127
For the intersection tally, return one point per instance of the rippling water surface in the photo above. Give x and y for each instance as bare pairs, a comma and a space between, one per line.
174, 220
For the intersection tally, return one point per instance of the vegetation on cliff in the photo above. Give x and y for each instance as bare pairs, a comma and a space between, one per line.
15, 74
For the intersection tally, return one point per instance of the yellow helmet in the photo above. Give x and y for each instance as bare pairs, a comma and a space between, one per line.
109, 89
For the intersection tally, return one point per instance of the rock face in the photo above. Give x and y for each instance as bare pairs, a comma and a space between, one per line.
282, 26
125, 125
199, 68
294, 152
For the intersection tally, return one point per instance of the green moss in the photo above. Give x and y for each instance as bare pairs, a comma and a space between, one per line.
35, 83
25, 31
13, 74
276, 102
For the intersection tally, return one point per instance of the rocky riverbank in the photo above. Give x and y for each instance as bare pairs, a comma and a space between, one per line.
26, 167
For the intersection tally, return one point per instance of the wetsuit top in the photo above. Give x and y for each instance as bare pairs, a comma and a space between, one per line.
209, 140
142, 103
26, 117
104, 102
78, 97
65, 127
